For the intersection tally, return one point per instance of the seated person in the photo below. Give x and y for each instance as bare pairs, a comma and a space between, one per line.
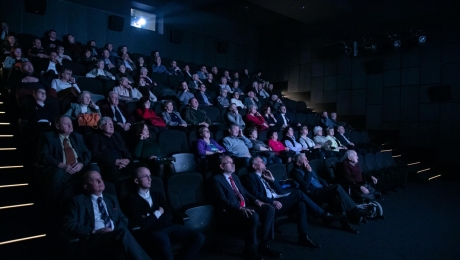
270, 90
236, 100
64, 155
335, 144
353, 177
236, 88
93, 48
285, 119
75, 48
214, 71
275, 102
65, 85
253, 117
321, 140
123, 50
187, 72
143, 74
195, 82
262, 92
148, 150
61, 56
27, 81
261, 149
237, 144
157, 67
144, 90
262, 185
237, 208
206, 147
109, 61
129, 64
223, 85
202, 73
312, 150
320, 191
96, 217
86, 60
121, 117
174, 70
37, 51
40, 114
209, 82
141, 63
234, 117
148, 208
202, 96
195, 116
222, 100
121, 73
184, 95
278, 147
290, 142
269, 117
227, 77
100, 72
171, 117
340, 135
50, 68
14, 60
146, 113
9, 44
326, 122
125, 91
50, 42
251, 99
84, 106
109, 150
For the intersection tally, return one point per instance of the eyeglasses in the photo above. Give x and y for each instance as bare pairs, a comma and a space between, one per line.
231, 162
146, 176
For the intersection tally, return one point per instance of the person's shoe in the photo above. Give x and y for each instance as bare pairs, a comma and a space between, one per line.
348, 228
306, 241
267, 251
328, 218
359, 212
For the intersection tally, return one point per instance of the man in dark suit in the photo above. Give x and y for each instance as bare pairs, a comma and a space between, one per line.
117, 112
340, 135
149, 209
265, 188
109, 150
97, 219
251, 99
50, 68
202, 96
319, 190
285, 119
238, 209
64, 155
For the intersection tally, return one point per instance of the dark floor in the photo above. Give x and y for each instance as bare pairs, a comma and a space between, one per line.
420, 223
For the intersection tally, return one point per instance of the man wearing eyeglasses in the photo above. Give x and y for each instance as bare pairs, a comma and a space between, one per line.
148, 208
238, 209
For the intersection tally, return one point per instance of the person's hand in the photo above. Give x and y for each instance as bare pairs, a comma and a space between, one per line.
266, 174
77, 167
154, 83
247, 212
102, 231
125, 162
153, 157
219, 151
259, 203
161, 210
277, 204
352, 144
271, 115
317, 146
72, 80
307, 166
364, 190
110, 66
286, 149
374, 180
184, 125
240, 133
270, 149
118, 162
30, 79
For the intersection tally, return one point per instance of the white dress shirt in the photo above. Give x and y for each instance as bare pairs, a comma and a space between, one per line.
98, 221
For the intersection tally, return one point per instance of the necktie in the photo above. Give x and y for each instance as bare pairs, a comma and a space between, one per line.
68, 152
238, 194
346, 139
104, 216
118, 115
268, 187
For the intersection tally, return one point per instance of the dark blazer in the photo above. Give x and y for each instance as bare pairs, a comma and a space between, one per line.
254, 185
289, 117
341, 139
247, 102
106, 110
224, 196
304, 179
50, 149
79, 219
200, 98
104, 150
139, 208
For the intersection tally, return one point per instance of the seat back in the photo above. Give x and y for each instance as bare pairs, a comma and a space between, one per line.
278, 170
108, 86
379, 160
160, 78
291, 105
75, 67
317, 165
301, 118
262, 136
214, 114
312, 120
355, 137
330, 164
365, 139
94, 86
361, 163
185, 190
175, 80
369, 161
388, 160
185, 162
173, 141
301, 107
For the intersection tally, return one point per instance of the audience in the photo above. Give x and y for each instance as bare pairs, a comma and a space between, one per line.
37, 51
125, 91
64, 85
290, 142
99, 72
171, 117
278, 147
75, 48
353, 177
174, 70
253, 117
326, 122
269, 117
312, 150
110, 61
184, 95
50, 68
251, 99
234, 117
202, 73
50, 42
237, 144
14, 60
260, 149
285, 119
222, 100
202, 96
61, 56
146, 113
195, 116
27, 81
157, 67
335, 144
236, 100
117, 112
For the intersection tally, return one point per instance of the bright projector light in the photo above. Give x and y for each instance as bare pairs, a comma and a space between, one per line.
141, 21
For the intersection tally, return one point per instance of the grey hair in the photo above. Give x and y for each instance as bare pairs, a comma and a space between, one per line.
316, 129
103, 121
298, 157
143, 68
82, 94
251, 106
349, 153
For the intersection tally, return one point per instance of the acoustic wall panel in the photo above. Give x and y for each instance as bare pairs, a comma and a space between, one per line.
409, 103
392, 78
410, 76
344, 81
374, 89
374, 117
317, 69
391, 103
358, 102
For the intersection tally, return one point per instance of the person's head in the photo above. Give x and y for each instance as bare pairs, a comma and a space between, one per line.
60, 50
255, 85
304, 130
106, 125
246, 71
124, 82
195, 77
65, 74
324, 114
155, 53
236, 95
106, 53
300, 160
318, 130
143, 178
144, 71
226, 164
288, 131
70, 38
270, 86
210, 77
352, 156
187, 68
223, 93
340, 129
124, 49
252, 109
64, 125
234, 130
85, 97
93, 183
52, 34
334, 115
272, 134
158, 60
4, 26
259, 73
236, 75
226, 73
100, 64
40, 95
168, 106
214, 70
87, 53
204, 132
53, 56
274, 97
193, 103
173, 64
140, 60
252, 133
236, 84
113, 98
257, 164
203, 69
260, 86
223, 81
202, 88
141, 129
183, 85
16, 52
109, 47
330, 131
283, 109
251, 94
144, 102
92, 44
27, 67
267, 110
125, 56
233, 107
37, 43
142, 82
122, 68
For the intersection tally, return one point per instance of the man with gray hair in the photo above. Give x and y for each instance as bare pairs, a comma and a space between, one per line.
117, 112
237, 144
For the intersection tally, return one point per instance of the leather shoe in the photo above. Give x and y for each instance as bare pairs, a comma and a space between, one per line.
306, 241
267, 251
348, 228
328, 218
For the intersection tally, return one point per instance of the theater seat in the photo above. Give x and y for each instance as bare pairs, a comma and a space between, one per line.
94, 86
185, 162
330, 164
173, 142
